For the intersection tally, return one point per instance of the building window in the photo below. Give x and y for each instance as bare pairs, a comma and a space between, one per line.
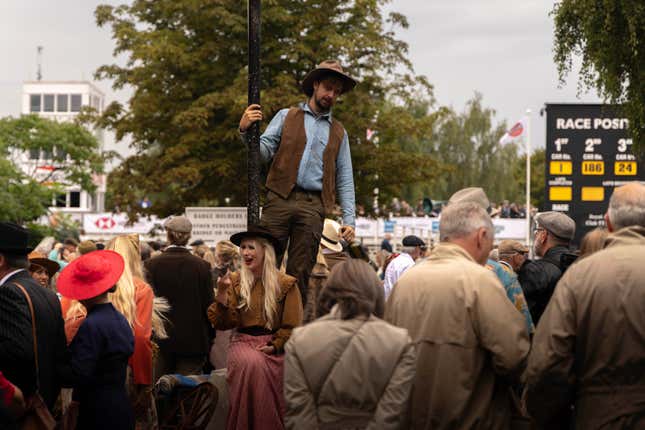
74, 199
62, 102
34, 153
61, 200
34, 103
77, 100
60, 154
48, 103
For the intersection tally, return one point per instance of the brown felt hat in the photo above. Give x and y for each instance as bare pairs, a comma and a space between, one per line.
327, 67
40, 260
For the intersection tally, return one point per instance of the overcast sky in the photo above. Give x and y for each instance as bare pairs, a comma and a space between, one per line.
501, 48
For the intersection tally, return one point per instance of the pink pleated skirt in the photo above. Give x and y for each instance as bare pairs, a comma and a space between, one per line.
255, 385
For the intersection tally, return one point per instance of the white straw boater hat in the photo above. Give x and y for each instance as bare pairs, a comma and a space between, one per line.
331, 236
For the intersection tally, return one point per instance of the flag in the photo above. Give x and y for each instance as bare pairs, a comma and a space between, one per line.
515, 133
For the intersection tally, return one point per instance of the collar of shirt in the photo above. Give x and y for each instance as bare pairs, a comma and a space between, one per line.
403, 260
305, 107
504, 263
9, 275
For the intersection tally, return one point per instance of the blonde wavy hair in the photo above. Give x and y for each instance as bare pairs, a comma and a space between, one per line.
229, 251
205, 253
270, 281
124, 298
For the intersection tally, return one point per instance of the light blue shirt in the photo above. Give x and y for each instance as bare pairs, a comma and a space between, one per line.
310, 171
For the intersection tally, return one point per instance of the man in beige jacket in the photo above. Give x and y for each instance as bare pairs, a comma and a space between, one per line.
471, 341
589, 349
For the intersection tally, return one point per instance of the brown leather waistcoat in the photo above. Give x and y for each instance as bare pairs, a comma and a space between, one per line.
284, 168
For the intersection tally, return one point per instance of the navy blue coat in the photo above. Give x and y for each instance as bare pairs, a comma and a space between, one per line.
100, 352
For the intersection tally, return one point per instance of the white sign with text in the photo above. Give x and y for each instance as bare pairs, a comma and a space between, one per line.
212, 224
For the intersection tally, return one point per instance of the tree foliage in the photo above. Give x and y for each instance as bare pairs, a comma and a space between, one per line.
609, 35
468, 145
186, 63
70, 148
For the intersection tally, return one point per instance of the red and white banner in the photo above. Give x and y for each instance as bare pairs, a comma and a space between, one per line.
111, 224
515, 133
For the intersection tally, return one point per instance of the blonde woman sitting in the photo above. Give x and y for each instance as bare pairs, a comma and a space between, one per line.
264, 306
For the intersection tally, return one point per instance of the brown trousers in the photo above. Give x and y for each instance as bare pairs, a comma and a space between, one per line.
298, 221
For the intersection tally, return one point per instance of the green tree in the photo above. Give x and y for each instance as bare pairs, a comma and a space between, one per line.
468, 144
609, 35
72, 157
186, 62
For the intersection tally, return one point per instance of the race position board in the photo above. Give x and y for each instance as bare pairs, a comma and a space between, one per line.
588, 154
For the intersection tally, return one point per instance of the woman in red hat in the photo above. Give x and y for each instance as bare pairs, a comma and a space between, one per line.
264, 306
135, 300
103, 344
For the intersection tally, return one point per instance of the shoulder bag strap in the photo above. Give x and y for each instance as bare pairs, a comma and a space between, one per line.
33, 332
333, 367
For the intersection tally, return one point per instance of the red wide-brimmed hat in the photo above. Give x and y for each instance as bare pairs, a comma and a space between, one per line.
90, 275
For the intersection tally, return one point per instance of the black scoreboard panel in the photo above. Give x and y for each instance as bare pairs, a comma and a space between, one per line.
588, 154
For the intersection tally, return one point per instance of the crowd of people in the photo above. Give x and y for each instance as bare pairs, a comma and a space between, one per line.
432, 208
452, 339
461, 334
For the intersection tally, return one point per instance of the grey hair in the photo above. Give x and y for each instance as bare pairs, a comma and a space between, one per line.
627, 209
461, 219
408, 249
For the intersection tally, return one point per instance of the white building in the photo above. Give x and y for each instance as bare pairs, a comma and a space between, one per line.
62, 101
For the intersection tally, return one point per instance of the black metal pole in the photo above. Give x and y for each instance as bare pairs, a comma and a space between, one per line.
253, 205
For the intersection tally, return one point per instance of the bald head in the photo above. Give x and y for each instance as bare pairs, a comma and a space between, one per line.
627, 207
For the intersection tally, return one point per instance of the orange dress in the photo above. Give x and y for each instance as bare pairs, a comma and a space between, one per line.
141, 361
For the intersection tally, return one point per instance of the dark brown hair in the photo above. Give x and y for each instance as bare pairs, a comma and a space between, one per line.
177, 238
356, 289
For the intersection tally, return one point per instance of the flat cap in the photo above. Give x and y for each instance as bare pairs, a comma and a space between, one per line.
413, 241
473, 195
86, 246
180, 224
557, 223
511, 247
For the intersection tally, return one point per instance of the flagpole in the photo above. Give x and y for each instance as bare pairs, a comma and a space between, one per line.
253, 162
528, 176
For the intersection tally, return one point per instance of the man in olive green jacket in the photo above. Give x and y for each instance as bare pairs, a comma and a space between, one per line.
589, 348
471, 341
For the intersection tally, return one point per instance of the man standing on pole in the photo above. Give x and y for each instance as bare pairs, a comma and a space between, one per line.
311, 165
